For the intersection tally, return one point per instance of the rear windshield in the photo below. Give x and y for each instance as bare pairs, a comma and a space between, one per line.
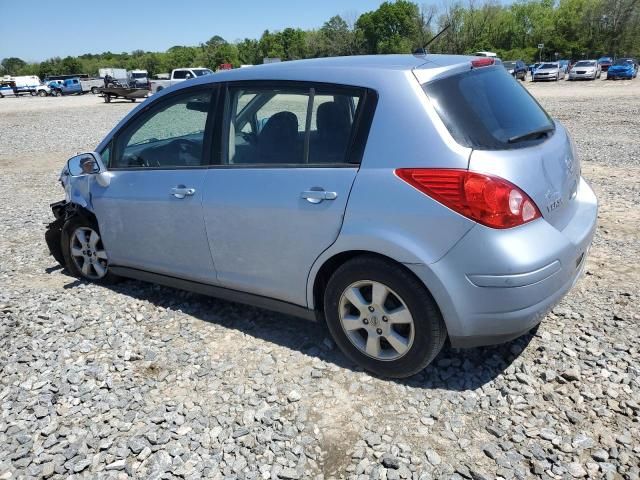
487, 109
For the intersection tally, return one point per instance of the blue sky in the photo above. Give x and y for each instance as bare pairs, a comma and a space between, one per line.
44, 29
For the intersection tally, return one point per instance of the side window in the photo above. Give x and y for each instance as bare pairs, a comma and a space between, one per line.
289, 126
106, 155
180, 75
169, 135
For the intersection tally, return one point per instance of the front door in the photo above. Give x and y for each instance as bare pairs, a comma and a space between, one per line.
150, 215
278, 198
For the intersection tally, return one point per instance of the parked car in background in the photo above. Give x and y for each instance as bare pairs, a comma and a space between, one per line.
91, 85
7, 88
24, 85
626, 68
548, 71
517, 68
139, 79
70, 86
484, 225
585, 70
178, 75
605, 63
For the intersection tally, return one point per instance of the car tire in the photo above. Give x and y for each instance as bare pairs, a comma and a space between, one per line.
94, 90
83, 251
107, 98
42, 93
418, 331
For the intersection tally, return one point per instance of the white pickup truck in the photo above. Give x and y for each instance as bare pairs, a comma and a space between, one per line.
178, 75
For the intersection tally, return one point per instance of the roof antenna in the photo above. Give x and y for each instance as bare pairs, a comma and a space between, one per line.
423, 50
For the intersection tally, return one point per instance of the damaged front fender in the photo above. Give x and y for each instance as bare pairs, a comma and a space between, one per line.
62, 211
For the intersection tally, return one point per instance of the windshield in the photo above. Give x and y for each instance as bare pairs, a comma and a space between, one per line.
585, 64
201, 72
623, 61
548, 65
472, 106
509, 64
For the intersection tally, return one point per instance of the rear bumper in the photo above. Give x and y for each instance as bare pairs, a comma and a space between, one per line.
495, 285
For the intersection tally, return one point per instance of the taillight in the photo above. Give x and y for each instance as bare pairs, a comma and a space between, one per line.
482, 62
486, 199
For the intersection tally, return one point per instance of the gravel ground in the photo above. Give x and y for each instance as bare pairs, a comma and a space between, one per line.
144, 381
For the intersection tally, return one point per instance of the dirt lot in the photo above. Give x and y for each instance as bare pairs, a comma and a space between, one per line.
143, 381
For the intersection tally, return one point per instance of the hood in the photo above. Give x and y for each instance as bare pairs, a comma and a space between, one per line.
621, 68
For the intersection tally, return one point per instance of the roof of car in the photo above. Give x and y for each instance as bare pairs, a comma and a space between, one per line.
365, 70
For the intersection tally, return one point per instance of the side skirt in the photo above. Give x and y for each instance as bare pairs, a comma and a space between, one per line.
218, 292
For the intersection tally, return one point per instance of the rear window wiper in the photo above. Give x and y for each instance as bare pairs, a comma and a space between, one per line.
532, 135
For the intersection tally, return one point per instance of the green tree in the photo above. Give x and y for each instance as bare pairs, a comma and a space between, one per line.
392, 28
335, 38
249, 52
12, 65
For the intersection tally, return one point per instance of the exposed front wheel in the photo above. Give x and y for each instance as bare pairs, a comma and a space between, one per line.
382, 317
84, 251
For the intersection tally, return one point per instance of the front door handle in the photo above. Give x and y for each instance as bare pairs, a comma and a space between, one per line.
317, 196
181, 191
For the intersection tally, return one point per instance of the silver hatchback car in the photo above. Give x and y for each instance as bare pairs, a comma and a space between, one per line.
394, 197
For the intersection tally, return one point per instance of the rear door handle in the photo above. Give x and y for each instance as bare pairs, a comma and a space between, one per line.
317, 196
181, 191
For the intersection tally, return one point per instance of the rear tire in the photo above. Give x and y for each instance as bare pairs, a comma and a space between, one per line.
376, 333
83, 251
94, 90
42, 93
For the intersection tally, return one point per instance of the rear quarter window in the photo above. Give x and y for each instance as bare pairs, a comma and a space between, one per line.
485, 108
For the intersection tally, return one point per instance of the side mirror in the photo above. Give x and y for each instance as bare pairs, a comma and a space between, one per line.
83, 164
89, 164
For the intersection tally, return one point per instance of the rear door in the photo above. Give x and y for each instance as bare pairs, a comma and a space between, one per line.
289, 156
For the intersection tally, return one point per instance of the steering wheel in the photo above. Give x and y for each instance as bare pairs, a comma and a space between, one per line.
139, 161
250, 138
181, 147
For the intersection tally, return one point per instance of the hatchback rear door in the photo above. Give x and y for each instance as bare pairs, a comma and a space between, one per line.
289, 155
512, 137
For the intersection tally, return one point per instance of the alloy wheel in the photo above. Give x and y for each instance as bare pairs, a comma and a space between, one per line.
376, 320
88, 254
